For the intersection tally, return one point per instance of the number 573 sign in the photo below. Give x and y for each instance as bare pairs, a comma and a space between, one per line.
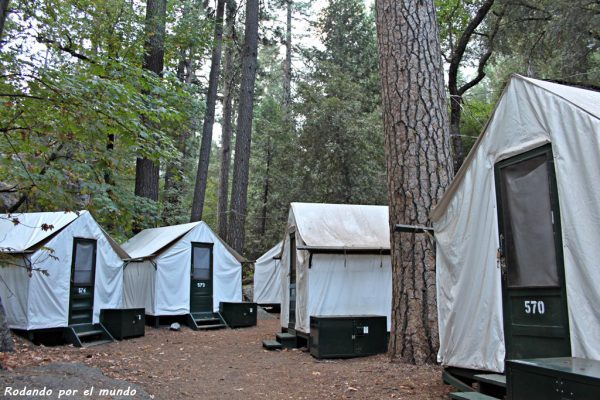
534, 307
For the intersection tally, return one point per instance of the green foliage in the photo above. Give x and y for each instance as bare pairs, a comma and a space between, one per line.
72, 87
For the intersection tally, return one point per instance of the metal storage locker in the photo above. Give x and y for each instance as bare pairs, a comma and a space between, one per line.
238, 315
124, 322
347, 336
563, 378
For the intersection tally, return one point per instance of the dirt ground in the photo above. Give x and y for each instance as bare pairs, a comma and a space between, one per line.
229, 364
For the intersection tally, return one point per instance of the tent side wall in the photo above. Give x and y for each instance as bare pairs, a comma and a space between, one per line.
49, 295
14, 291
139, 279
267, 287
174, 271
356, 284
468, 277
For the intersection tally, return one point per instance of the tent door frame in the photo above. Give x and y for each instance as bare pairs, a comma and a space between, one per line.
202, 283
293, 265
530, 313
79, 295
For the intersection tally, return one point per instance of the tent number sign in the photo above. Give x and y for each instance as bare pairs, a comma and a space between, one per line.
81, 290
201, 284
534, 307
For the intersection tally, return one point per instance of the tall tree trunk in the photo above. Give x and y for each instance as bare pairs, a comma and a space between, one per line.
239, 191
265, 199
225, 154
209, 117
287, 65
146, 170
419, 165
6, 340
3, 15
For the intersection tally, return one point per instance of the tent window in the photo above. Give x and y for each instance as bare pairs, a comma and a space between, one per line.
85, 251
530, 247
201, 262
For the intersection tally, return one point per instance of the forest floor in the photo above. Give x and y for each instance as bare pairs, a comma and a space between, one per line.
224, 364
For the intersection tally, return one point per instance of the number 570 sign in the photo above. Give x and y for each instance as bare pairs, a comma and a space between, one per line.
534, 307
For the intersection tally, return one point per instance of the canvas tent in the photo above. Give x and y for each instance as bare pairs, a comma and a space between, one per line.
181, 269
84, 270
267, 288
517, 233
335, 261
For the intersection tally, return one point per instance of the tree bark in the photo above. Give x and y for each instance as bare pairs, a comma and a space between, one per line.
209, 117
236, 230
419, 165
146, 170
6, 340
225, 153
287, 65
3, 15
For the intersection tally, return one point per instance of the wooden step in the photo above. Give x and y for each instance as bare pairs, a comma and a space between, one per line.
207, 321
470, 396
492, 379
96, 342
287, 340
90, 333
271, 345
212, 326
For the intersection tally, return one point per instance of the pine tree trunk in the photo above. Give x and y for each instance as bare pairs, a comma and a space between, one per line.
209, 117
3, 15
287, 65
6, 340
147, 171
419, 165
225, 153
239, 191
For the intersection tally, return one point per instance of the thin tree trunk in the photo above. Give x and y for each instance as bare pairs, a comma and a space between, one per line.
419, 165
265, 200
6, 340
236, 231
3, 15
146, 170
225, 154
287, 65
209, 117
456, 93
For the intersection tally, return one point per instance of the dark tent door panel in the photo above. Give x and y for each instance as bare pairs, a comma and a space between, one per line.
534, 297
292, 306
83, 270
201, 291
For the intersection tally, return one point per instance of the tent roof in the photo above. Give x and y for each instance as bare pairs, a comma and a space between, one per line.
270, 254
586, 100
343, 226
28, 233
150, 242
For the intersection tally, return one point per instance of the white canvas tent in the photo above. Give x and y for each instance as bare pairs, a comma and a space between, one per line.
342, 260
267, 287
158, 274
529, 115
42, 301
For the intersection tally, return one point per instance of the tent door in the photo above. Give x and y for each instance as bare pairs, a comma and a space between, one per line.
201, 288
534, 298
83, 271
292, 307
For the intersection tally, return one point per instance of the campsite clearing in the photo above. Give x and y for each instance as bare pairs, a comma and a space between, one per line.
232, 364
